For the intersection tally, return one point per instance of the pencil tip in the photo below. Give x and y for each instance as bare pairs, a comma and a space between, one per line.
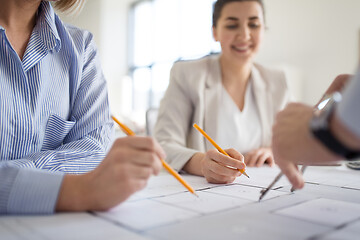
196, 194
246, 175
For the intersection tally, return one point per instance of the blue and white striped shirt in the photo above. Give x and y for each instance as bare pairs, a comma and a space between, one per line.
53, 103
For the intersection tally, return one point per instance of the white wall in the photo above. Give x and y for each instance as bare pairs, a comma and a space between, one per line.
314, 40
318, 39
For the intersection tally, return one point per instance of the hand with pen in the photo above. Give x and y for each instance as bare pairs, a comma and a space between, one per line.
215, 166
125, 170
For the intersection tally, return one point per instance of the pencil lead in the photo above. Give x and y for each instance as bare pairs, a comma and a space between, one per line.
246, 174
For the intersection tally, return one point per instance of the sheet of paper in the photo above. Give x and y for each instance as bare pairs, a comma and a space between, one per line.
262, 177
353, 185
324, 211
245, 222
333, 177
205, 203
145, 214
162, 185
198, 182
348, 232
166, 184
62, 227
245, 192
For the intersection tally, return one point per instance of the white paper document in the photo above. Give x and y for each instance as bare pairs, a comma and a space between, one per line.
198, 182
324, 211
332, 176
205, 203
349, 232
66, 226
159, 186
262, 177
245, 192
145, 214
166, 184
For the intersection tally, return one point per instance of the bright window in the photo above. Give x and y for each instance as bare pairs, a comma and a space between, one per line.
162, 32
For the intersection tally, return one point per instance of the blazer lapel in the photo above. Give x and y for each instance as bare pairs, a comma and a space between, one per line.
211, 99
263, 103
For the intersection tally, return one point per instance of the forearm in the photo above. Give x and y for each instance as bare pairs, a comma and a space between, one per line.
193, 166
343, 134
74, 194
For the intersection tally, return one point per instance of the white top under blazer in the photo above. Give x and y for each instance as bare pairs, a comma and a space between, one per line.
193, 96
240, 130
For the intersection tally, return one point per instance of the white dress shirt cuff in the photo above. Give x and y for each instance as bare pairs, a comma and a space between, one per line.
34, 192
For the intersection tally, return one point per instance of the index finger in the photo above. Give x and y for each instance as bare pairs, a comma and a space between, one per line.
234, 154
226, 160
292, 173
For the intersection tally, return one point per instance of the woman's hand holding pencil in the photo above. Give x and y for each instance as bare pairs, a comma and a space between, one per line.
168, 168
125, 170
219, 166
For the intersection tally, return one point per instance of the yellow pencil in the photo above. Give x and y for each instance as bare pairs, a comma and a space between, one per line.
165, 165
215, 145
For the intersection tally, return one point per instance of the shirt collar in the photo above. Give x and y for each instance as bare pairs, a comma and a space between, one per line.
46, 27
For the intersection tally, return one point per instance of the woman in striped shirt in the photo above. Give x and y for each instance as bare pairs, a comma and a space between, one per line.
55, 118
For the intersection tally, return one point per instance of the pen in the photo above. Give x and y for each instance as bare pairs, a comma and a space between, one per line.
216, 146
129, 132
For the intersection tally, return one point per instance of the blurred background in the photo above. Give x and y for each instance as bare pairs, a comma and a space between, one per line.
138, 41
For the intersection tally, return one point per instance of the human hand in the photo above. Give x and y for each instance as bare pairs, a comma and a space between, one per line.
293, 144
126, 169
258, 157
219, 168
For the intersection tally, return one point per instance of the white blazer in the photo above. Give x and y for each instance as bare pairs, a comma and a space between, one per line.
192, 97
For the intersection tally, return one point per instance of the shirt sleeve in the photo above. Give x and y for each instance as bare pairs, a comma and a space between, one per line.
173, 121
28, 191
90, 137
348, 110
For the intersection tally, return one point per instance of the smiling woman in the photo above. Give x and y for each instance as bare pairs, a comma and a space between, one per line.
228, 95
240, 30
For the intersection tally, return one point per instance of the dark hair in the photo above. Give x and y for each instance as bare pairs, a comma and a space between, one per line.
219, 5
